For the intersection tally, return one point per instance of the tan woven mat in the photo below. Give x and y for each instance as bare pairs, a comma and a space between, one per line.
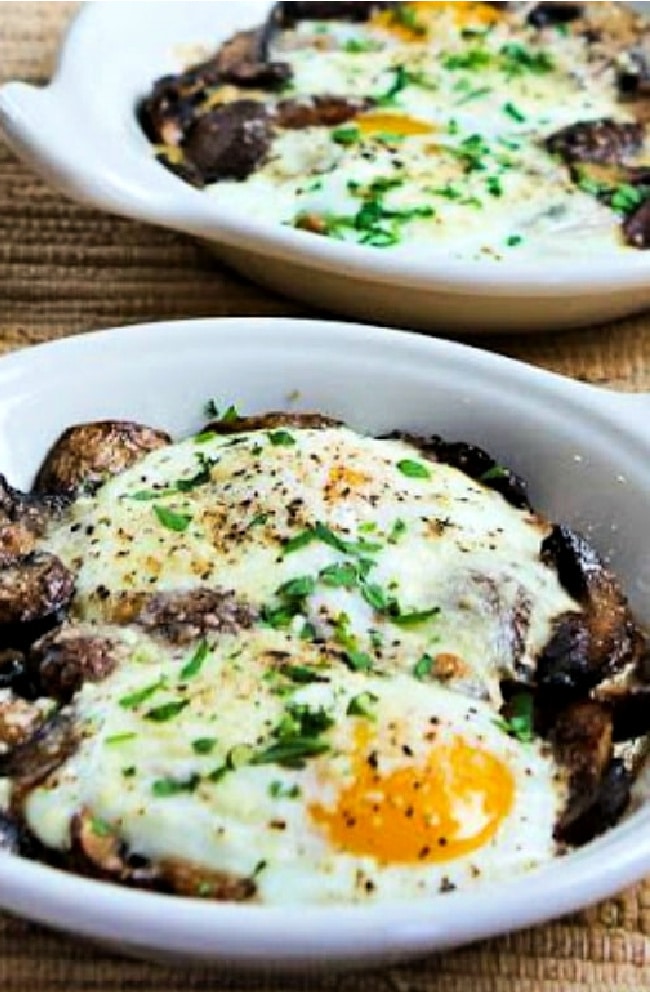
65, 269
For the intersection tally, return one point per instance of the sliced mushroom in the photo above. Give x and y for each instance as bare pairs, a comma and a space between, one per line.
14, 673
183, 617
97, 851
230, 142
474, 462
242, 61
287, 15
29, 512
33, 761
583, 743
66, 659
545, 15
171, 107
609, 805
187, 879
636, 229
605, 141
587, 646
87, 455
34, 592
19, 720
273, 421
319, 111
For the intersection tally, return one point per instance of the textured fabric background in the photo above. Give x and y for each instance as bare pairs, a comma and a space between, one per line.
65, 269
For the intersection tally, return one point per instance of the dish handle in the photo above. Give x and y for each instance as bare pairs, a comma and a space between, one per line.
44, 132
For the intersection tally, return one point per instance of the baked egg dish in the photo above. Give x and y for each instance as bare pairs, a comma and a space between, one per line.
285, 662
481, 131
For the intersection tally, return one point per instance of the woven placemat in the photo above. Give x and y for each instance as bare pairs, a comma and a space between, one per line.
65, 269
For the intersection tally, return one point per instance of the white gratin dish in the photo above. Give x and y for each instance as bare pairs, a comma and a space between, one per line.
81, 134
586, 453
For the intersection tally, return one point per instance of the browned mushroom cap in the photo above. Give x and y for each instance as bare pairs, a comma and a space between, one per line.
547, 14
33, 588
230, 142
187, 879
636, 228
97, 851
273, 421
590, 646
167, 112
66, 659
319, 111
87, 455
583, 743
19, 720
474, 462
287, 15
183, 617
242, 61
35, 759
29, 512
605, 141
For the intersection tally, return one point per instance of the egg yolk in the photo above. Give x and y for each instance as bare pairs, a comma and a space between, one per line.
415, 21
448, 807
398, 124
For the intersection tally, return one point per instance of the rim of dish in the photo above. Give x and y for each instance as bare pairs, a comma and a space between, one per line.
519, 277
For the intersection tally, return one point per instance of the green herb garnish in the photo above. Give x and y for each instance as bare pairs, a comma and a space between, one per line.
413, 470
204, 745
521, 723
277, 790
196, 662
135, 699
100, 827
363, 705
424, 668
281, 439
178, 522
514, 113
116, 739
167, 712
346, 135
164, 788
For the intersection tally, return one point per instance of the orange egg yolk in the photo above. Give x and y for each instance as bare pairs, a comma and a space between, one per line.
416, 20
400, 125
448, 807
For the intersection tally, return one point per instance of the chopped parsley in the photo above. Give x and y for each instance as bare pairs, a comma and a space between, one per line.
320, 532
196, 662
413, 470
423, 670
514, 113
204, 745
291, 753
100, 827
135, 699
277, 790
416, 618
359, 46
363, 705
302, 675
281, 439
341, 576
401, 79
116, 739
521, 723
164, 788
167, 712
297, 738
398, 531
514, 241
177, 522
346, 135
494, 474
